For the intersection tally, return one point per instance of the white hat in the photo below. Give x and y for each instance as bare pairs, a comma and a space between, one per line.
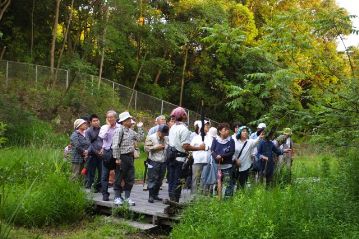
78, 123
213, 132
199, 123
196, 123
262, 126
124, 116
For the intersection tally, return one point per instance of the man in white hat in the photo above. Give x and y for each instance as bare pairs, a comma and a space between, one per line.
123, 148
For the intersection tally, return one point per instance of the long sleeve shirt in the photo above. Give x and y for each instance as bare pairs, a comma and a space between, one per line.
224, 148
106, 134
267, 148
124, 140
79, 144
201, 156
151, 144
245, 158
95, 141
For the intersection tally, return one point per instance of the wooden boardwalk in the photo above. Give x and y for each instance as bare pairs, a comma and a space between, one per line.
153, 211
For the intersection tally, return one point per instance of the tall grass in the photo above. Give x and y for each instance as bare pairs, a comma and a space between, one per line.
52, 199
305, 209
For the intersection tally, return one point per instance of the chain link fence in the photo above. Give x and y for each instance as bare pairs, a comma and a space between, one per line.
13, 73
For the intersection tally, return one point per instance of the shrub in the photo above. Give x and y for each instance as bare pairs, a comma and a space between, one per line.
305, 209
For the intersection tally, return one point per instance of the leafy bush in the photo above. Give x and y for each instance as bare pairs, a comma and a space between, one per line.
305, 209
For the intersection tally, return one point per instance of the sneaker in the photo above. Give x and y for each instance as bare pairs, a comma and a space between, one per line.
118, 201
130, 202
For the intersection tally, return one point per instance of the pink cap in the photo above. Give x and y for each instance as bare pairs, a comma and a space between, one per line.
178, 113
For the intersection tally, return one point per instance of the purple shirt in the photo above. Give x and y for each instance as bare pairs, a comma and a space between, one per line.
106, 134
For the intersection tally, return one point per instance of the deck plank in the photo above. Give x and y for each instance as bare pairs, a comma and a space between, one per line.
140, 197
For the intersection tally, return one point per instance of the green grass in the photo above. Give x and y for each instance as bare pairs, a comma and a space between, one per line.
304, 209
35, 182
97, 228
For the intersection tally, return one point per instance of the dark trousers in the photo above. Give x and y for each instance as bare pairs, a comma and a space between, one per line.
105, 173
240, 178
174, 180
124, 172
94, 164
156, 174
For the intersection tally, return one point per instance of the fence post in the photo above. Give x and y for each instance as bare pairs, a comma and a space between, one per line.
136, 100
113, 92
67, 79
161, 107
36, 74
91, 84
7, 74
188, 118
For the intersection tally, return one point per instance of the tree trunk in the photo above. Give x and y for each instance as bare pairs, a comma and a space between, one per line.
137, 77
53, 41
2, 52
183, 75
4, 4
103, 49
64, 42
32, 29
159, 70
157, 76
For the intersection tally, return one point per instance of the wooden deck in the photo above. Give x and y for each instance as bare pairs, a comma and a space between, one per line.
153, 211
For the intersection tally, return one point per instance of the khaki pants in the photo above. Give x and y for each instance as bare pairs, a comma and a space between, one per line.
76, 171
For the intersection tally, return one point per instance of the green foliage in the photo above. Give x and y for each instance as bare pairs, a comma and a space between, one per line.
96, 228
51, 197
2, 133
309, 208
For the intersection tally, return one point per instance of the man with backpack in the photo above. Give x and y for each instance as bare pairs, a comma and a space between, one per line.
176, 153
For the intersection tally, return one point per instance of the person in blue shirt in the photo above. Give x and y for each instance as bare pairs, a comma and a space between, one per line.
266, 151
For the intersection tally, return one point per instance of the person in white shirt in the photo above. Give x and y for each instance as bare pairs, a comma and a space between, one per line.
243, 160
200, 158
179, 142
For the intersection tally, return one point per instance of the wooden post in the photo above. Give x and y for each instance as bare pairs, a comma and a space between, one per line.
161, 107
7, 74
67, 79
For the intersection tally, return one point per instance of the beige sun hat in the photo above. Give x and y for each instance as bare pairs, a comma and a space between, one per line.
78, 123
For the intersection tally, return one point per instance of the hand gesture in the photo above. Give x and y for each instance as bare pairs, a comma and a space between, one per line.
265, 158
161, 146
139, 124
202, 147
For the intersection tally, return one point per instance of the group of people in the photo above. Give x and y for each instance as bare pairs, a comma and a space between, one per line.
207, 160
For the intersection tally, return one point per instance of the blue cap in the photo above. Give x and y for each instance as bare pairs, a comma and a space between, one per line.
164, 129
